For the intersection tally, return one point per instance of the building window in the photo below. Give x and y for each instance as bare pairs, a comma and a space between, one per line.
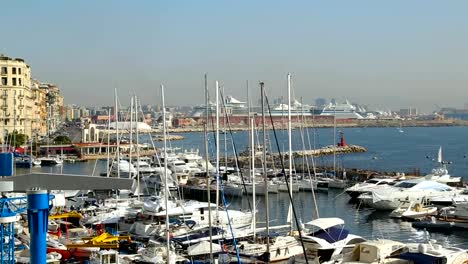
13, 70
4, 81
13, 81
19, 70
19, 82
4, 70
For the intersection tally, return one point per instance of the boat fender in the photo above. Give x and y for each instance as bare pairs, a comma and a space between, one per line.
422, 248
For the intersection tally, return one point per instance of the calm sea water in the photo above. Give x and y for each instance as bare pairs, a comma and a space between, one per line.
388, 150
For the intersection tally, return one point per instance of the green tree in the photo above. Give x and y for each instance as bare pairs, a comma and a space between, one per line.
60, 140
15, 139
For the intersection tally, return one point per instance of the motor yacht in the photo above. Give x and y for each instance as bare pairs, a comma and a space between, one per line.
367, 186
417, 190
327, 237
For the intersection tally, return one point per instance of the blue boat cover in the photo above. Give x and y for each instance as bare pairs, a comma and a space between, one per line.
332, 234
419, 258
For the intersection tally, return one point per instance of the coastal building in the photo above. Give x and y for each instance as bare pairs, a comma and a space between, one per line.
26, 103
17, 97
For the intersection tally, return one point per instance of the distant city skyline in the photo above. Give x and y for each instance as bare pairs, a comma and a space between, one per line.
387, 55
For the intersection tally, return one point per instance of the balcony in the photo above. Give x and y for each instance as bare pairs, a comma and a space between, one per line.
21, 96
21, 105
4, 96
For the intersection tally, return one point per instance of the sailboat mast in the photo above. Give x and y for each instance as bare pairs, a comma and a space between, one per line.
137, 148
166, 189
217, 149
265, 176
108, 141
131, 139
289, 143
225, 134
208, 178
252, 173
248, 116
334, 142
117, 133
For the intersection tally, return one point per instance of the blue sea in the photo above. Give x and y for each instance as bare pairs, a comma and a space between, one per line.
388, 150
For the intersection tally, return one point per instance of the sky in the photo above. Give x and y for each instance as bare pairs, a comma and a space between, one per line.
384, 54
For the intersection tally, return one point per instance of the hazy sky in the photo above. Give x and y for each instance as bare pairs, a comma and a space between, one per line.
386, 54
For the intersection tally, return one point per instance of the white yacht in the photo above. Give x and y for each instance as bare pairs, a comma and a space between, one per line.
281, 248
367, 186
122, 168
50, 160
325, 238
417, 190
144, 168
440, 174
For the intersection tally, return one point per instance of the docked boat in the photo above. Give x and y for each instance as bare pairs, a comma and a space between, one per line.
432, 253
51, 161
457, 198
280, 248
417, 190
372, 252
260, 188
459, 211
412, 210
367, 186
325, 238
123, 169
440, 174
393, 252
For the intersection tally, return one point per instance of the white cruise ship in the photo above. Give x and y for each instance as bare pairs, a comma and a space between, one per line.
341, 111
297, 109
233, 107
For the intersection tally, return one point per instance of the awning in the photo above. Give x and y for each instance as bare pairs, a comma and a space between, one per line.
324, 223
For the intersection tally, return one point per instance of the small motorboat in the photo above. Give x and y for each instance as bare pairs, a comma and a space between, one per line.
412, 210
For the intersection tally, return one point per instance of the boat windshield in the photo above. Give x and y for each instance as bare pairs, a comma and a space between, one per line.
372, 181
405, 184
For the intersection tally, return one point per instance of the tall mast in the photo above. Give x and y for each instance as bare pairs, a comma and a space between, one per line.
250, 127
117, 133
252, 150
137, 148
267, 214
208, 178
225, 133
131, 139
108, 141
334, 142
290, 144
166, 189
217, 149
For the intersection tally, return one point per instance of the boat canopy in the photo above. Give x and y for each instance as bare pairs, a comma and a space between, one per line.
324, 223
203, 248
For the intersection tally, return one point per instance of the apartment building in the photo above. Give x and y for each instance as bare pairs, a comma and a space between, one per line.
26, 106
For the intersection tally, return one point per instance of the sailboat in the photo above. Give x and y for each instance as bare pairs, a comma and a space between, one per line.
440, 174
400, 129
269, 248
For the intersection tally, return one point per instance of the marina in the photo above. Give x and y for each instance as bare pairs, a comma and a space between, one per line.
359, 219
233, 132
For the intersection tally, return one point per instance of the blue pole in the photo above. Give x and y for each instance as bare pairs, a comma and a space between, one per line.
38, 212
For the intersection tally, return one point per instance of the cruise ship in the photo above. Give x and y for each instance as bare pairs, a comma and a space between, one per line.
343, 110
297, 109
235, 107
